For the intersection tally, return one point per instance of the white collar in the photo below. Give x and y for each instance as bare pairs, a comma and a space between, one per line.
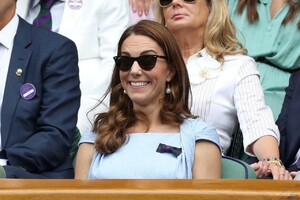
7, 34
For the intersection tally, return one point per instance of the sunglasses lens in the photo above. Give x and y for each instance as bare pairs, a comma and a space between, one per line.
164, 3
124, 63
147, 62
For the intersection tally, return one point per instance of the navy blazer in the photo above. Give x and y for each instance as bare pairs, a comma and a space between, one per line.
289, 121
37, 133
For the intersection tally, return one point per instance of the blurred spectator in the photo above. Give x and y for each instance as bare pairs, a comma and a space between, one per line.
270, 31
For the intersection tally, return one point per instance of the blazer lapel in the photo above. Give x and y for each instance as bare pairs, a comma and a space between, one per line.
19, 61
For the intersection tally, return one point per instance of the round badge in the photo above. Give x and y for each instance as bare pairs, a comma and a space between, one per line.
27, 91
75, 4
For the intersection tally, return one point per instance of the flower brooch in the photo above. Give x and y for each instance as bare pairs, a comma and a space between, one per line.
201, 67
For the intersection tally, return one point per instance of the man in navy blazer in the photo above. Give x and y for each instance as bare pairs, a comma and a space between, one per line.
40, 95
289, 124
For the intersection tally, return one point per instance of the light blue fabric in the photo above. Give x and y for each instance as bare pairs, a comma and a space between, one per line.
138, 158
277, 43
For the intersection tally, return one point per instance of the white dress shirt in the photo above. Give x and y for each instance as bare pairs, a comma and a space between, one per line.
96, 29
7, 35
230, 93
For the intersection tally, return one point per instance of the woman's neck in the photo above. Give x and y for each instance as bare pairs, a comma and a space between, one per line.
155, 124
189, 43
154, 127
276, 6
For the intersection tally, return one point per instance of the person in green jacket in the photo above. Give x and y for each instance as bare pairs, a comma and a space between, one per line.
270, 31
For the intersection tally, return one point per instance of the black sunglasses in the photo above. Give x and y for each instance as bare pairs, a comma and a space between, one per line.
166, 3
146, 62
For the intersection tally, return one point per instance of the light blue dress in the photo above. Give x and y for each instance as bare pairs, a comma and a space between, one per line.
138, 158
269, 39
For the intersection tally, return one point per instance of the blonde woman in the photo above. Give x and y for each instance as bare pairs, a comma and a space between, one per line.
225, 84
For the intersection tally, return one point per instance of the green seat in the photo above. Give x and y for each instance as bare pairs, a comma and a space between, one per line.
236, 149
74, 146
233, 168
2, 172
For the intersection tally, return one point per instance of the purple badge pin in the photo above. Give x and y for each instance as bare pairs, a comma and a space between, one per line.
75, 4
27, 91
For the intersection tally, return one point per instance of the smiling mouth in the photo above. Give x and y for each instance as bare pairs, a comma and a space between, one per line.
137, 84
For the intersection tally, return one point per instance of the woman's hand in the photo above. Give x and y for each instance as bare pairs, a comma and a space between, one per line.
264, 168
140, 6
279, 173
261, 169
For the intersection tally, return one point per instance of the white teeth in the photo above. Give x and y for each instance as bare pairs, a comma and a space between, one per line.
138, 83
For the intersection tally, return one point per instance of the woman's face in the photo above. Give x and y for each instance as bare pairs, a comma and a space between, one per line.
186, 16
144, 87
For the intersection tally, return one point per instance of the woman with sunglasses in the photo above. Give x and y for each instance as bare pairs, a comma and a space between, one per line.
224, 81
148, 131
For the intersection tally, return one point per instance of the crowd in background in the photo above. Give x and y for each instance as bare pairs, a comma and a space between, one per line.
187, 75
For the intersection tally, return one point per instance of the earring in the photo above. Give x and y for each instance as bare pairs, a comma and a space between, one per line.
125, 92
168, 90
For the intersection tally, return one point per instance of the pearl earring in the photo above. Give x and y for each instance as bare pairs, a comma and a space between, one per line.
125, 92
168, 90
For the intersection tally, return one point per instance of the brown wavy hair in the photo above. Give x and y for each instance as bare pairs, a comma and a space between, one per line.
252, 14
111, 126
220, 32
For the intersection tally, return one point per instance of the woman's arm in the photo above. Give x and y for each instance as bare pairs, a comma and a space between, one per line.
207, 163
83, 160
261, 135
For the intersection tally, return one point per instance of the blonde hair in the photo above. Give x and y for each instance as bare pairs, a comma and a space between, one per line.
220, 33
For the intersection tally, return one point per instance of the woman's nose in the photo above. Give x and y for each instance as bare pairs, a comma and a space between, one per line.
135, 68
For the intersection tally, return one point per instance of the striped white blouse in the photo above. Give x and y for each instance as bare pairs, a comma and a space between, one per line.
226, 94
